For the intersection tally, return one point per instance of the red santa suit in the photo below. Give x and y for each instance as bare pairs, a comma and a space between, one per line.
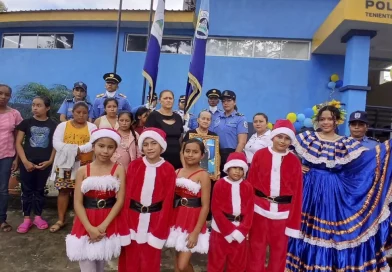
232, 212
148, 206
277, 180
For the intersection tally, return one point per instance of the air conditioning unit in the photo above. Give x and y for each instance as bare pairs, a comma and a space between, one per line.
189, 4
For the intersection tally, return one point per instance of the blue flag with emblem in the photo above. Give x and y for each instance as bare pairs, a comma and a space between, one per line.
196, 69
150, 70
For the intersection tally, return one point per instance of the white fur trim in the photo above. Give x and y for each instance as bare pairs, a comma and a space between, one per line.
292, 232
105, 133
178, 239
271, 215
188, 184
153, 135
102, 183
147, 237
80, 249
236, 163
283, 130
229, 238
214, 226
238, 236
155, 241
275, 178
236, 199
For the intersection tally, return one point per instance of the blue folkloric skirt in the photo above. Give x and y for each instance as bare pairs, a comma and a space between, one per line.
345, 216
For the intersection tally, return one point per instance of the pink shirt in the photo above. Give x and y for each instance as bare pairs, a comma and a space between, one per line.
8, 121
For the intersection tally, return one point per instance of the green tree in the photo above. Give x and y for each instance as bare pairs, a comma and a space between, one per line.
26, 93
3, 7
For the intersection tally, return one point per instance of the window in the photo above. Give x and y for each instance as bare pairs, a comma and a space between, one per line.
260, 48
38, 41
170, 45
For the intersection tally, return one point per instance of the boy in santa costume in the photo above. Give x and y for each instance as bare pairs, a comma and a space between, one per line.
276, 176
148, 204
232, 212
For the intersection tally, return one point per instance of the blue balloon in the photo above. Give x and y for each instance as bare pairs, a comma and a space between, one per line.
298, 126
332, 85
308, 123
300, 117
339, 84
308, 112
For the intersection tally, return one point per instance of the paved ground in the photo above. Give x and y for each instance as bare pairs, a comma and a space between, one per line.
42, 251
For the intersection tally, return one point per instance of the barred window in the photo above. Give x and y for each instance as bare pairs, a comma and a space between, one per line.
38, 40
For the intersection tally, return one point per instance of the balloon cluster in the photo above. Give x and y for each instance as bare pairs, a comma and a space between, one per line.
335, 82
304, 119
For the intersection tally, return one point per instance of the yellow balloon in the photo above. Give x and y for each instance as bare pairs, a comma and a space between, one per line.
270, 126
314, 109
334, 78
292, 117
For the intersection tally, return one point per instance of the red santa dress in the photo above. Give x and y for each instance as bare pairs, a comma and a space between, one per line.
277, 180
148, 207
232, 212
102, 190
185, 217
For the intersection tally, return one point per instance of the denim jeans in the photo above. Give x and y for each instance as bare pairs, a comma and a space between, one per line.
5, 173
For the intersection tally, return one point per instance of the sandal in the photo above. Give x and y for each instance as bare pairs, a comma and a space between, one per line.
5, 227
40, 223
25, 226
57, 226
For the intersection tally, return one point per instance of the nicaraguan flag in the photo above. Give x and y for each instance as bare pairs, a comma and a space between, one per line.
196, 70
150, 70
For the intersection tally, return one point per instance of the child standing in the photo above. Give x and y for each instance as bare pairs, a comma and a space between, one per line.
35, 150
276, 176
127, 151
148, 204
189, 233
109, 120
98, 232
232, 212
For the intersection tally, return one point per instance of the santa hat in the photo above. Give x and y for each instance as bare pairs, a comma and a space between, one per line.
153, 133
236, 159
105, 133
283, 127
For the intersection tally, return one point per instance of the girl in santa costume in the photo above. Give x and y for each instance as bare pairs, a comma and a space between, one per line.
276, 176
99, 231
148, 204
232, 212
189, 233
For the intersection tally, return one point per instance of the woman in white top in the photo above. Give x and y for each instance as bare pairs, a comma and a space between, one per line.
109, 120
260, 139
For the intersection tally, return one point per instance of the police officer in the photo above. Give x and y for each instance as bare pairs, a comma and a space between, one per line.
358, 124
153, 103
112, 81
231, 127
79, 93
213, 101
181, 106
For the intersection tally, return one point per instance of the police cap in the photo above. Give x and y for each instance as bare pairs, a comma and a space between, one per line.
228, 94
112, 77
214, 93
360, 116
154, 97
81, 85
182, 98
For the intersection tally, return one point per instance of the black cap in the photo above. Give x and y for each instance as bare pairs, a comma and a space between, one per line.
154, 97
228, 94
182, 98
80, 84
112, 77
360, 116
214, 93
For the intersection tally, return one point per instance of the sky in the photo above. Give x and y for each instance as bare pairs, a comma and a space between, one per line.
13, 5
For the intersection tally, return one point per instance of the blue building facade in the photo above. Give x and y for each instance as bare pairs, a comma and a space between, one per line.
274, 82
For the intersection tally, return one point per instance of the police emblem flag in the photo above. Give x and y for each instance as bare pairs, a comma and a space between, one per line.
150, 70
196, 69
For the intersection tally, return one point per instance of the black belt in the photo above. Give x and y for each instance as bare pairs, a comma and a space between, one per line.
277, 199
226, 150
194, 202
234, 218
97, 203
136, 206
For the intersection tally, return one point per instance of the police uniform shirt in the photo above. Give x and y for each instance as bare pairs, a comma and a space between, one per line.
369, 142
99, 109
67, 106
228, 128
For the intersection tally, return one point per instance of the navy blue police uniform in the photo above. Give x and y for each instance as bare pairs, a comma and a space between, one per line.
67, 106
361, 116
214, 114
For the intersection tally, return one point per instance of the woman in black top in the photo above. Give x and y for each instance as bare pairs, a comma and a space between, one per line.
171, 123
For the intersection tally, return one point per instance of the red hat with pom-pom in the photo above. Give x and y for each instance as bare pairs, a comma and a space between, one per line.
154, 133
283, 127
236, 159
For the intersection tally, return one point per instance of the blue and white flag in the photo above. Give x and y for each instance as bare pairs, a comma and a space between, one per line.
150, 70
196, 69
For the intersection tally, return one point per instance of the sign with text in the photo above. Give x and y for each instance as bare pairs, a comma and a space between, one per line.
377, 11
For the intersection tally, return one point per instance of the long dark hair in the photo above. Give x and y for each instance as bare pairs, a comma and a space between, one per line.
107, 100
195, 141
131, 127
46, 101
140, 111
336, 115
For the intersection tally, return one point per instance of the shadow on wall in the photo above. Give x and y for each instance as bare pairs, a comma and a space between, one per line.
380, 95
